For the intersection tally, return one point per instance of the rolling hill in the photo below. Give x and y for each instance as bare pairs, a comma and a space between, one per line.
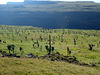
86, 61
52, 14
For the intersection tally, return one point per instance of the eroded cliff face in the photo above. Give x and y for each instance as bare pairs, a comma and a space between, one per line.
73, 15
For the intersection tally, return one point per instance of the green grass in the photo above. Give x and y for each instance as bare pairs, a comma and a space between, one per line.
14, 35
25, 66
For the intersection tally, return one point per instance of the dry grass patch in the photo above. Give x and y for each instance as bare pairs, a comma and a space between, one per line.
25, 66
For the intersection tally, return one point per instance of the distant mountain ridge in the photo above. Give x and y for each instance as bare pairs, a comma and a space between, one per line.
52, 14
47, 2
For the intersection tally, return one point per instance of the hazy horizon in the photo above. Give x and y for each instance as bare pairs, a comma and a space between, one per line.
5, 1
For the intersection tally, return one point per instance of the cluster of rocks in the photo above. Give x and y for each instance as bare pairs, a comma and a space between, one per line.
30, 55
52, 57
4, 54
59, 57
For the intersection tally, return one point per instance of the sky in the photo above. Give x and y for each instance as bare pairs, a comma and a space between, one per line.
5, 1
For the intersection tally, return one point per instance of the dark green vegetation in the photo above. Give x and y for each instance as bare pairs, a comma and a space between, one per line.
52, 15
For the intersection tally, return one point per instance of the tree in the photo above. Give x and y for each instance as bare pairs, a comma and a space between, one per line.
91, 46
46, 48
49, 48
49, 44
33, 45
25, 38
61, 38
41, 38
68, 51
20, 48
9, 48
32, 39
37, 43
41, 48
0, 41
21, 41
74, 41
53, 49
13, 47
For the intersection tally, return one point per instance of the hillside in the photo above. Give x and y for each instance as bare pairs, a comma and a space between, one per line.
34, 40
26, 36
52, 14
23, 66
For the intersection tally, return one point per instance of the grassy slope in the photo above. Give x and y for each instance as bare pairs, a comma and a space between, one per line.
13, 35
23, 66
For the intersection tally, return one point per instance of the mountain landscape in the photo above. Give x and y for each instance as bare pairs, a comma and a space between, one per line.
52, 14
39, 37
28, 50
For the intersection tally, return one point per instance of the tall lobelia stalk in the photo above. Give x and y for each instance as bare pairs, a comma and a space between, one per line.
49, 44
